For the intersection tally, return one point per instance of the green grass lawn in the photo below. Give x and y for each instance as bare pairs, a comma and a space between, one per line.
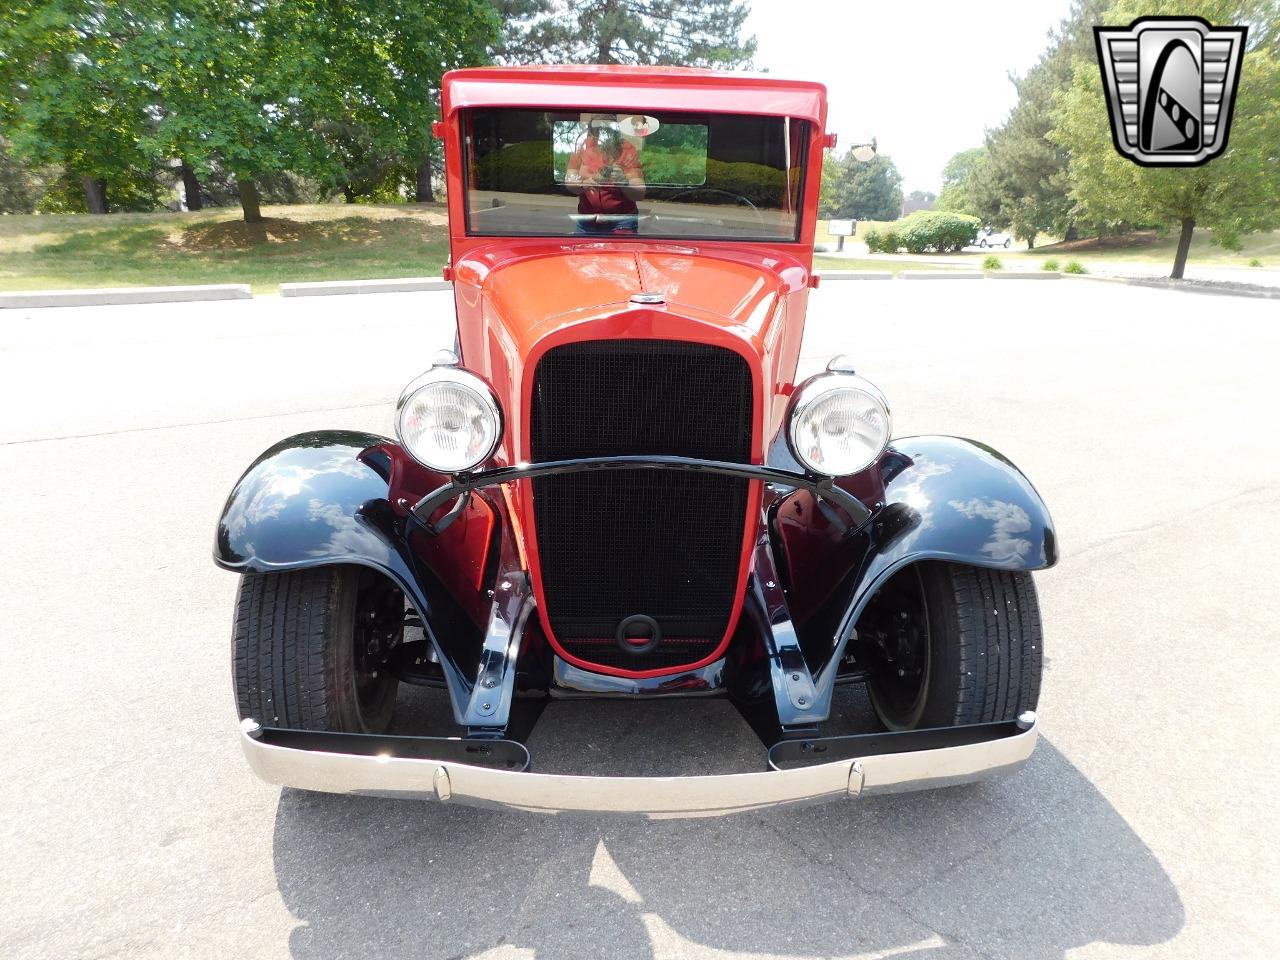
1146, 246
895, 267
1150, 247
369, 242
296, 243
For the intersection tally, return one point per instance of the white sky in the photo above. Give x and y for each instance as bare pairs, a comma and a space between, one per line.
925, 77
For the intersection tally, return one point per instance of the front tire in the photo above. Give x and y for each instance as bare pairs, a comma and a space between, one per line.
309, 649
968, 650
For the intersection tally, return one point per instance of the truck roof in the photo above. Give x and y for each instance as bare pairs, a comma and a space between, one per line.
633, 88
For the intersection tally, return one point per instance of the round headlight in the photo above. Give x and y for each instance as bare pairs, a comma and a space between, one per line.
839, 424
448, 420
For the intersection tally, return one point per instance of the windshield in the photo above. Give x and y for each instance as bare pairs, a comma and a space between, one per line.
660, 175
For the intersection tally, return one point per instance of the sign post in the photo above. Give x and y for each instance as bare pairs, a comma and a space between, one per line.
842, 229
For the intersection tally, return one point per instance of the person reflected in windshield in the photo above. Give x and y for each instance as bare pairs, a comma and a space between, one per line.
604, 172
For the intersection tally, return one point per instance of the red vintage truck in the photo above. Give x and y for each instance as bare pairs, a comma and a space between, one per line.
614, 486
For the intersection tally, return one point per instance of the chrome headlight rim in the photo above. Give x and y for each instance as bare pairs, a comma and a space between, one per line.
459, 378
818, 387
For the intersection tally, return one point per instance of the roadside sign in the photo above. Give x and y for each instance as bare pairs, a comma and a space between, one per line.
842, 229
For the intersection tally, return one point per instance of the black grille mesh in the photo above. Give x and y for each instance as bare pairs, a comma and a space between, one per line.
665, 544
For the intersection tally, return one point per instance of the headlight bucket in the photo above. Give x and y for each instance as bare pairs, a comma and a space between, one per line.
838, 424
448, 420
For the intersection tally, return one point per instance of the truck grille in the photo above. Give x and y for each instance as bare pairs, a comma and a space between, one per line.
663, 544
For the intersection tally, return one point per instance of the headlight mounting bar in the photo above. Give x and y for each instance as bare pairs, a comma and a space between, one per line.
464, 483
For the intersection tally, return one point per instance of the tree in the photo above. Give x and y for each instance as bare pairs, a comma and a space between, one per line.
69, 94
236, 88
512, 45
958, 178
1023, 185
852, 189
1235, 194
380, 75
690, 33
20, 189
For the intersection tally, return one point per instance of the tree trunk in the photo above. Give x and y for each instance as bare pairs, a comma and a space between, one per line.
348, 193
422, 190
1184, 247
95, 194
1031, 242
191, 187
250, 202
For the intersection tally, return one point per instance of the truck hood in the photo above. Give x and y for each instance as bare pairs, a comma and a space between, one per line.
546, 291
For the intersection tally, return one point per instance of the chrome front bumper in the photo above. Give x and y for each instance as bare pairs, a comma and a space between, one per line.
960, 755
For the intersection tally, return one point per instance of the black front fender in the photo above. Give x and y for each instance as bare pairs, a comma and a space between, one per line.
945, 498
312, 499
322, 498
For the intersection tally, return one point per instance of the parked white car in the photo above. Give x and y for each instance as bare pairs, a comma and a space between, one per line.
989, 238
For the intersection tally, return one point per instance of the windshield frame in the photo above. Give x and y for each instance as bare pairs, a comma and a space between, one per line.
798, 130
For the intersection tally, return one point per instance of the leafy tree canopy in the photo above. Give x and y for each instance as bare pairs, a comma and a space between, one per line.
69, 90
1234, 194
958, 178
20, 189
1023, 184
691, 33
861, 191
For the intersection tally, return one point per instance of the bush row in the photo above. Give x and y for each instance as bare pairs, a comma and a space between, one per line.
924, 231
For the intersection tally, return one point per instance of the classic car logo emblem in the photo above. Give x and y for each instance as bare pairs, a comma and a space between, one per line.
1171, 85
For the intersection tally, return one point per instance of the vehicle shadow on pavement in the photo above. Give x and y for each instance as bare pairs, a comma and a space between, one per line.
1028, 867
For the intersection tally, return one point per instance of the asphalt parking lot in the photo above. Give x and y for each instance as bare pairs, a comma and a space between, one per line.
1144, 825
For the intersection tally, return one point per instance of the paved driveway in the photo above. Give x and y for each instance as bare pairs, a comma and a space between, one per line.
1143, 826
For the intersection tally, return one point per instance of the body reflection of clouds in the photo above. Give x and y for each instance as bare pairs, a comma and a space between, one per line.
1007, 520
272, 491
912, 494
347, 537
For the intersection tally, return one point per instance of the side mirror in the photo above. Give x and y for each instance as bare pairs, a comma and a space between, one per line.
865, 152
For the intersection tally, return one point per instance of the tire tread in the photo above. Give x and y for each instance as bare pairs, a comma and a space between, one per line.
996, 633
283, 644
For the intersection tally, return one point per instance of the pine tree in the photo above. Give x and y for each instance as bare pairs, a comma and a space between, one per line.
691, 33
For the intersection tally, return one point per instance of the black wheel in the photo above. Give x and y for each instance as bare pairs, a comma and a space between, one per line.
310, 649
1007, 244
946, 644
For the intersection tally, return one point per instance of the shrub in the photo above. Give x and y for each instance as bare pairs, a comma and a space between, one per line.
992, 262
883, 241
1255, 262
938, 231
1049, 265
1075, 267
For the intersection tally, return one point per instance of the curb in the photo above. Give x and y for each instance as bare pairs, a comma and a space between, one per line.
1191, 287
855, 274
1024, 275
125, 295
330, 288
942, 275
